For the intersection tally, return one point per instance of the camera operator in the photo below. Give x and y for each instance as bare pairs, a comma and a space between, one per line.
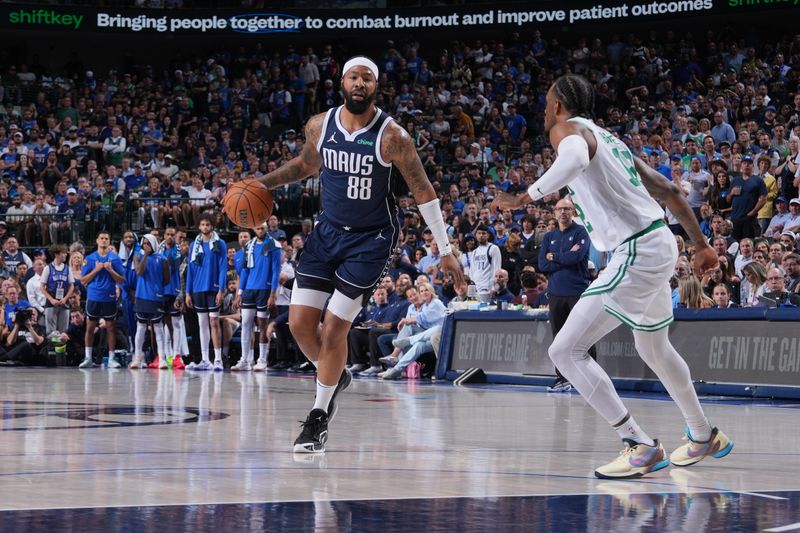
25, 344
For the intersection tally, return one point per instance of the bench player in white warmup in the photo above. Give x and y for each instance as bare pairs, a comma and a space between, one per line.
611, 191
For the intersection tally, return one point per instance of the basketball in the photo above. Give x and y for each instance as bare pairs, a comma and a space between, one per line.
248, 203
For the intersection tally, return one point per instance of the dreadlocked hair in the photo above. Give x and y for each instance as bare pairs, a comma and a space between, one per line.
576, 94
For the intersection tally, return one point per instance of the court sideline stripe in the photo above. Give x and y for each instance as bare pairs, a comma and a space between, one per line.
364, 499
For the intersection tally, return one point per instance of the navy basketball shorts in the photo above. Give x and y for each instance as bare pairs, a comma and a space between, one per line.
351, 262
97, 310
148, 311
169, 306
205, 302
256, 299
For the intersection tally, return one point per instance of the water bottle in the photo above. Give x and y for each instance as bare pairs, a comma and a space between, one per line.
472, 292
524, 301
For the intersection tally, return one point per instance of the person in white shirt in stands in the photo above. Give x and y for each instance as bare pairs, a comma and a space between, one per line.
34, 288
779, 219
284, 294
744, 256
483, 262
793, 224
199, 198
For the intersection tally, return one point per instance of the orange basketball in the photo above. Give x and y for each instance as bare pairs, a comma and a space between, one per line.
248, 203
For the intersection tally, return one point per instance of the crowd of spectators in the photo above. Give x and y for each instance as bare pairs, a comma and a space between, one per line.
145, 149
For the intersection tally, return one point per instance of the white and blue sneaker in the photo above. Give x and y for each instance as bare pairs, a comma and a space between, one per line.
634, 461
201, 366
719, 445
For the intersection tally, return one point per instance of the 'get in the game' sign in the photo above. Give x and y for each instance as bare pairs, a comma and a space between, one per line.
747, 352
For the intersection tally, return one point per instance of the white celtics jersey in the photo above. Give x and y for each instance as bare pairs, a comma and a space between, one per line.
609, 196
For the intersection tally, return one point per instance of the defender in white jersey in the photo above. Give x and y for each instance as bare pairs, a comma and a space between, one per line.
611, 191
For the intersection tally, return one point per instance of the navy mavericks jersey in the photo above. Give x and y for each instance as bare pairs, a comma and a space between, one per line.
357, 188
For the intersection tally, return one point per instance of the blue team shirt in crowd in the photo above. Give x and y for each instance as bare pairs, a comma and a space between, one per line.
102, 288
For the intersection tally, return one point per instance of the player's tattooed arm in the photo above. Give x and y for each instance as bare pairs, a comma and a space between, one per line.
398, 148
305, 164
671, 195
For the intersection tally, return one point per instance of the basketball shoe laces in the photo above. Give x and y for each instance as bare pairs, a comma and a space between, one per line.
311, 426
629, 451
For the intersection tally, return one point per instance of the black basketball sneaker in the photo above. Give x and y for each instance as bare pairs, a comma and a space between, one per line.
315, 433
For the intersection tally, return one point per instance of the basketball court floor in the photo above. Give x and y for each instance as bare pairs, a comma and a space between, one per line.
119, 450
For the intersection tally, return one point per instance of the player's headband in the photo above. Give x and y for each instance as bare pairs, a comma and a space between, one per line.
361, 61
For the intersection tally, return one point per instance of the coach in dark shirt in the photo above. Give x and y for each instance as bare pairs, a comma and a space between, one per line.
564, 257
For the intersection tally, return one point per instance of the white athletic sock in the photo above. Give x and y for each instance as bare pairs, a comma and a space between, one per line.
167, 346
87, 352
659, 354
217, 354
161, 349
138, 343
324, 395
205, 334
177, 334
699, 428
184, 347
627, 428
263, 351
248, 319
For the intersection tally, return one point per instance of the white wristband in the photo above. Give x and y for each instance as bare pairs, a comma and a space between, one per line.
432, 214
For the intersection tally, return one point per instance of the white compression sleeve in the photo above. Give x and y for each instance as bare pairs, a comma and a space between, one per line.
573, 158
432, 214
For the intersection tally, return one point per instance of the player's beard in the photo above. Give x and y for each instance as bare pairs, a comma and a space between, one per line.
358, 108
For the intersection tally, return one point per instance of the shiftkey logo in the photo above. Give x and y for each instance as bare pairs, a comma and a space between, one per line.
45, 17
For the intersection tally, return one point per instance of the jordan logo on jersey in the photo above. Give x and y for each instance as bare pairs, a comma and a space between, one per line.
332, 140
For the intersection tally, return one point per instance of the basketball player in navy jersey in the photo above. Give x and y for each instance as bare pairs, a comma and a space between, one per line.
356, 148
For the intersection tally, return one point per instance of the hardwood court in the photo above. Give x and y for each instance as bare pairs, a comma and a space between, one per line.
122, 450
